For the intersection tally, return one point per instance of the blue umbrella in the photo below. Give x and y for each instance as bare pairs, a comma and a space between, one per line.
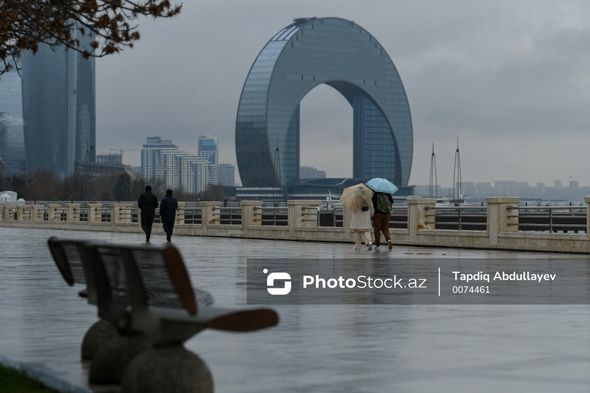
382, 185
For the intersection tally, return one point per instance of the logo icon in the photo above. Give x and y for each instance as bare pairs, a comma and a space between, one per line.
278, 276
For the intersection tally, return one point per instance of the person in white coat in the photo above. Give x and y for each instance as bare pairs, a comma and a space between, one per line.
361, 226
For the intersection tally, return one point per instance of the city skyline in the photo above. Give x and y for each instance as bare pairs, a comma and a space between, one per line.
507, 78
550, 123
163, 162
375, 196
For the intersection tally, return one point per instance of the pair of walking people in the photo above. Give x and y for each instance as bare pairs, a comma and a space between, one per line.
374, 216
148, 203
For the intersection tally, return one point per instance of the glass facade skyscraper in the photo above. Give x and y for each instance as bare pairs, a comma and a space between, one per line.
59, 110
85, 108
12, 156
343, 55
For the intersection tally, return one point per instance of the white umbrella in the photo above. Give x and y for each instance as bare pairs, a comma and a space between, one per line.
356, 197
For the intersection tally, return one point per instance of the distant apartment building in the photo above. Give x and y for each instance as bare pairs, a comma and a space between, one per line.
208, 149
192, 172
153, 153
189, 173
309, 172
110, 159
161, 160
107, 163
205, 174
226, 174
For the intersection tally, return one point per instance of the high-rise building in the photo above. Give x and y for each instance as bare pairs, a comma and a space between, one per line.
307, 53
153, 165
110, 159
162, 160
59, 109
208, 149
188, 179
226, 175
187, 172
205, 174
197, 173
3, 132
309, 172
85, 108
12, 154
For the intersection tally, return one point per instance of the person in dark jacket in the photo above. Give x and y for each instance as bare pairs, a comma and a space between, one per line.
383, 204
147, 203
168, 208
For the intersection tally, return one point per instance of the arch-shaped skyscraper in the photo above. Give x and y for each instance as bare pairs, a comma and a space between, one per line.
343, 55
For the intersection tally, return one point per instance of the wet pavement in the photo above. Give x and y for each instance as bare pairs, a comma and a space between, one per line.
316, 348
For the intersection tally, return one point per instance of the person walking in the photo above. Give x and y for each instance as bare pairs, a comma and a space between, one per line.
168, 207
383, 203
147, 203
360, 225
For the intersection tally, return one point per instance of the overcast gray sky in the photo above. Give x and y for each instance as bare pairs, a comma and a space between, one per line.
510, 78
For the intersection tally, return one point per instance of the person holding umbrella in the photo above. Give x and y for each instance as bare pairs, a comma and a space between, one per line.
358, 200
383, 203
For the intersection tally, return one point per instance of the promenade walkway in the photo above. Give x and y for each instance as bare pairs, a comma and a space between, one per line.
325, 349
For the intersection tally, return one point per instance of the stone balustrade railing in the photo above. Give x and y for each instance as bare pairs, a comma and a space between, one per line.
299, 221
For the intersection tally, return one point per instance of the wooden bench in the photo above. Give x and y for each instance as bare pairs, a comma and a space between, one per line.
68, 260
67, 255
147, 294
153, 286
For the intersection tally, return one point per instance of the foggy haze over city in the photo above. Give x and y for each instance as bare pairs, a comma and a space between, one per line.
378, 196
510, 79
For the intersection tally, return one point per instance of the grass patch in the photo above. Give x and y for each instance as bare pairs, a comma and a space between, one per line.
13, 381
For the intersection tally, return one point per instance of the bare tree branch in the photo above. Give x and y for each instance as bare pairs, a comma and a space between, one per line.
95, 28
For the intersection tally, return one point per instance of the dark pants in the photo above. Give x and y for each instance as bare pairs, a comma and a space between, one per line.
168, 228
381, 224
147, 220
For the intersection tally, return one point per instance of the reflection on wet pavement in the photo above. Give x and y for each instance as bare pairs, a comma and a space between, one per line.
336, 348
